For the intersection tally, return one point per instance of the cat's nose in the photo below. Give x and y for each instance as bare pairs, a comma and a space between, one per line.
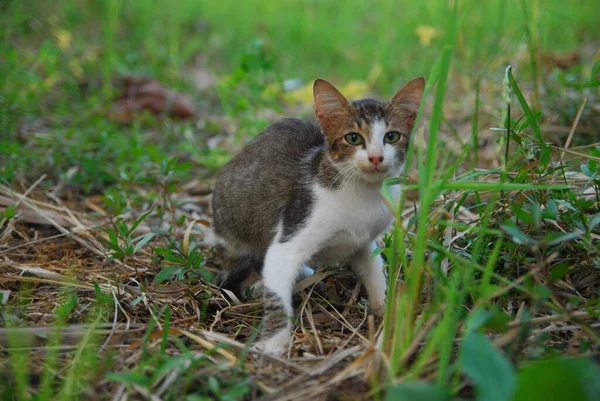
375, 160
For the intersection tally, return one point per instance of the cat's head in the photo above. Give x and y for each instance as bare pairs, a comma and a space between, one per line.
367, 139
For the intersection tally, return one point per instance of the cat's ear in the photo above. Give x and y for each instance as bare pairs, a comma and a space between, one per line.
407, 101
332, 107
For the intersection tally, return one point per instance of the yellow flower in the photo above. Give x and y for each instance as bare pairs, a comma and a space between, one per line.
374, 74
271, 90
50, 81
64, 38
302, 95
355, 89
75, 68
426, 33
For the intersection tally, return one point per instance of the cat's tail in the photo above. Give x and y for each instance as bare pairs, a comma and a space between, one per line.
234, 272
231, 271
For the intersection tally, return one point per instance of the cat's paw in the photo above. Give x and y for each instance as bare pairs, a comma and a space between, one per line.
256, 290
252, 288
266, 347
378, 308
275, 345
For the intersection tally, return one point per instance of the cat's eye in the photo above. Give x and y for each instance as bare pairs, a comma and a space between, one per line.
391, 137
354, 139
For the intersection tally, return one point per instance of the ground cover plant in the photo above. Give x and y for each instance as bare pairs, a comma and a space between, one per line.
116, 115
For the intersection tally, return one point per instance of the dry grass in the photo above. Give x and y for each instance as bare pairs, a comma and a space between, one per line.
54, 245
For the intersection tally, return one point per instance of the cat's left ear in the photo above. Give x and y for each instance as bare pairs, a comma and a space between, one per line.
408, 99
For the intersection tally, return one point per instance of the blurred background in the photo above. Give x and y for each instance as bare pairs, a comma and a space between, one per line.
68, 64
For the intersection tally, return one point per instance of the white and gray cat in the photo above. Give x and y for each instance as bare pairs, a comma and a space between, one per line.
305, 193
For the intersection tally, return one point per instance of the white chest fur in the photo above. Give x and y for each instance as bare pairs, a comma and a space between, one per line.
345, 219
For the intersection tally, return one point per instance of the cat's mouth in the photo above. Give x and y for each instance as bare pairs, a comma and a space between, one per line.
375, 170
374, 173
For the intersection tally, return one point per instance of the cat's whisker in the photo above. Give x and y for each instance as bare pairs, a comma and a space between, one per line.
346, 167
345, 172
335, 178
353, 179
357, 173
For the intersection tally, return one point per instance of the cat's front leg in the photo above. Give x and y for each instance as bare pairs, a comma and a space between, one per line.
281, 268
370, 271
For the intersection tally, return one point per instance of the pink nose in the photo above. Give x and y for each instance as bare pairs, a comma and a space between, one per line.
376, 160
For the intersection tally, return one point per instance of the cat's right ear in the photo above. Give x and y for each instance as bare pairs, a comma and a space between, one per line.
332, 108
407, 101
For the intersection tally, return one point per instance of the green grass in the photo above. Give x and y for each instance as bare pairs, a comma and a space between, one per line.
497, 244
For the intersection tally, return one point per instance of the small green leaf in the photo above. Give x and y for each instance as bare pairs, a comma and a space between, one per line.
118, 255
476, 319
493, 319
10, 211
517, 235
129, 378
417, 391
563, 379
493, 375
97, 290
143, 242
112, 237
552, 208
566, 204
138, 222
523, 215
498, 320
206, 275
163, 251
196, 397
122, 228
541, 292
64, 311
175, 259
487, 290
195, 259
173, 363
213, 385
137, 301
594, 221
113, 246
376, 253
559, 271
554, 239
531, 117
586, 170
237, 392
164, 274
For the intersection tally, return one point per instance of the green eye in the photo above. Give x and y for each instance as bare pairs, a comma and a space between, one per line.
391, 137
354, 139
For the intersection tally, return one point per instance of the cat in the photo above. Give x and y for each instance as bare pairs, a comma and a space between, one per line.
308, 193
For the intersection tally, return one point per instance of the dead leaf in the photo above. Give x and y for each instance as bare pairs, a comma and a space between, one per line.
40, 272
561, 61
139, 94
